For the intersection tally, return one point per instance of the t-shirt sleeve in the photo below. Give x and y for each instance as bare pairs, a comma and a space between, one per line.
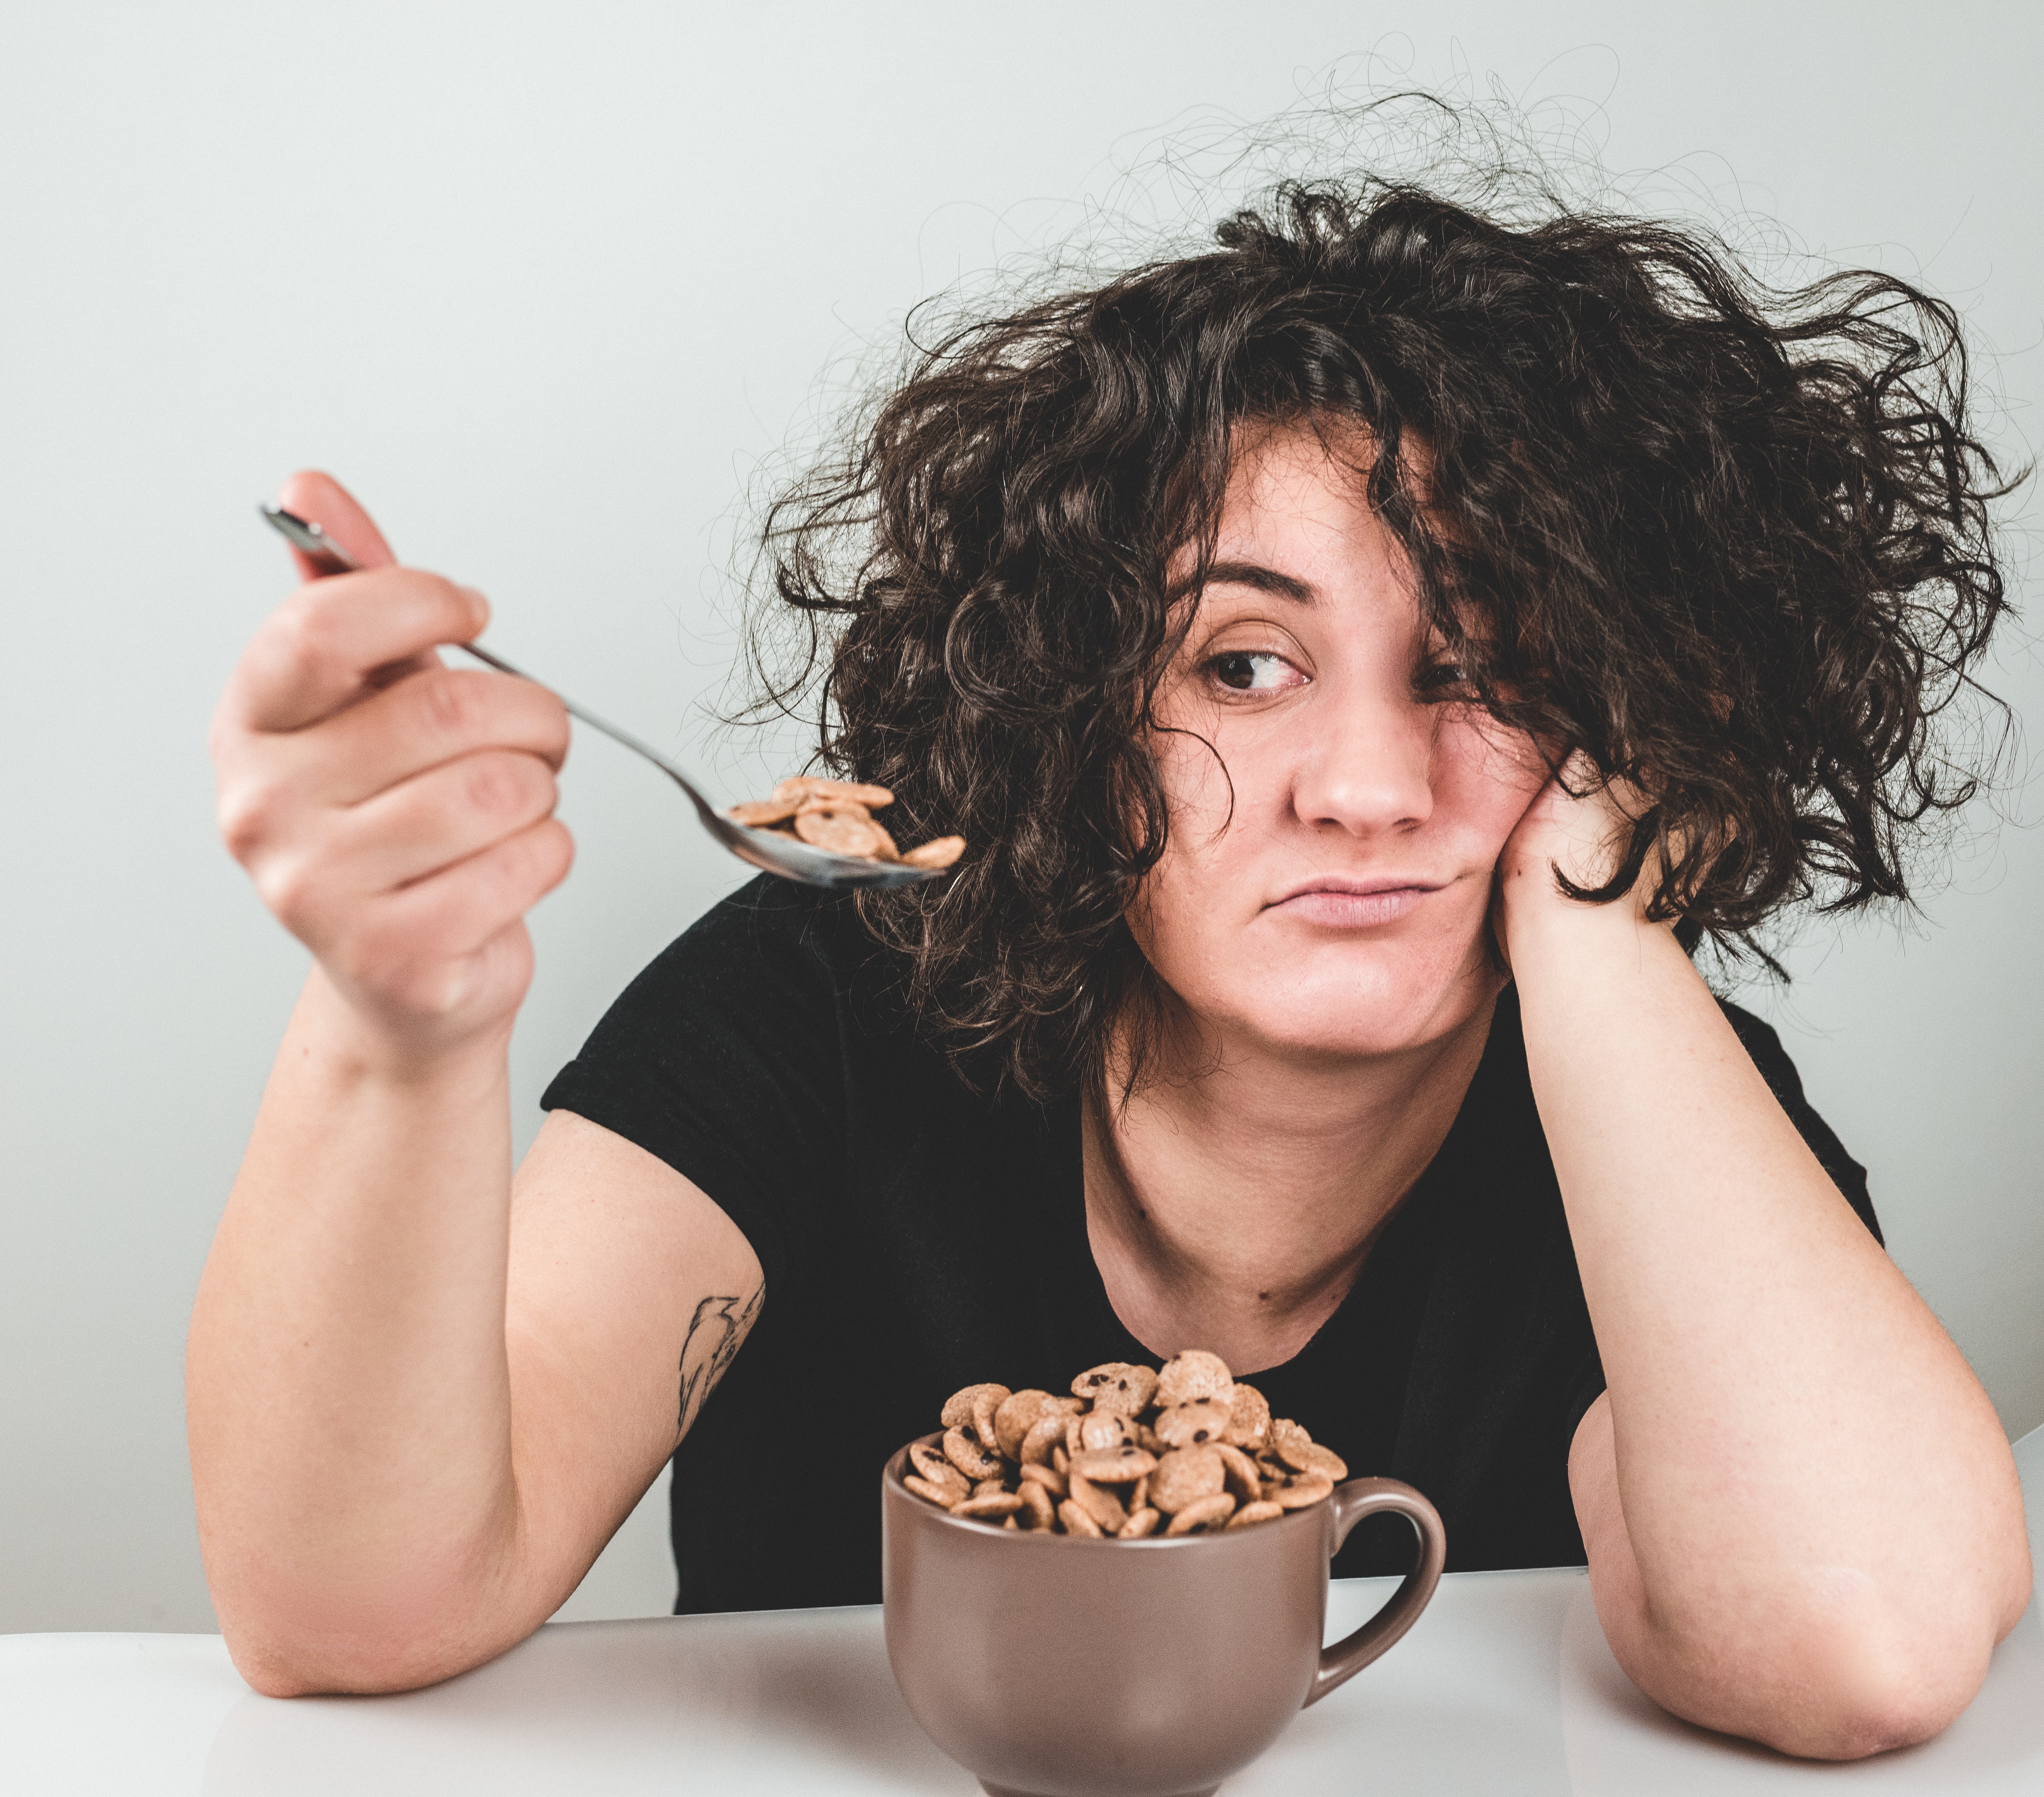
1771, 1059
724, 1059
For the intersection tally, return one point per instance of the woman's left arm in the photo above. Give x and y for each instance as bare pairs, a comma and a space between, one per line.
1803, 1520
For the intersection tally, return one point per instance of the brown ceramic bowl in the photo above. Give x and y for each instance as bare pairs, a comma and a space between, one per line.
1057, 1666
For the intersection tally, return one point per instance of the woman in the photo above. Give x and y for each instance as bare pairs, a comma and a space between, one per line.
1362, 659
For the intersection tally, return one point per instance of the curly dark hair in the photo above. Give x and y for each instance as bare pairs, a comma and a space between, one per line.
1732, 542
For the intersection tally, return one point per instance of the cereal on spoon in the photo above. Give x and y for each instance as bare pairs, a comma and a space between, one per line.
837, 815
1133, 1451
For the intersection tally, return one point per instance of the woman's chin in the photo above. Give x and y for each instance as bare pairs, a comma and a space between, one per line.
1359, 1019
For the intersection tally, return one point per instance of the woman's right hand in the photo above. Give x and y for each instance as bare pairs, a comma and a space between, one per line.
396, 815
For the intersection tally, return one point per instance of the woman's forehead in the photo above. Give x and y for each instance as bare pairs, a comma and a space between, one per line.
1292, 483
1296, 519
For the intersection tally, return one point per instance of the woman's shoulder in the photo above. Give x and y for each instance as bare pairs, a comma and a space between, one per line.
736, 1056
769, 990
770, 944
772, 917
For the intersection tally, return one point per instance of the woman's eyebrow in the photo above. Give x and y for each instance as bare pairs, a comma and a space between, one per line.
1263, 579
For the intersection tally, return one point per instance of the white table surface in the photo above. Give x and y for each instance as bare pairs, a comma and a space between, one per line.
1505, 1686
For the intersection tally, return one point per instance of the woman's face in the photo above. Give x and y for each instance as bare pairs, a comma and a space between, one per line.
1328, 877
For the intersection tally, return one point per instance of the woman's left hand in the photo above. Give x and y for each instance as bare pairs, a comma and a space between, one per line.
1584, 837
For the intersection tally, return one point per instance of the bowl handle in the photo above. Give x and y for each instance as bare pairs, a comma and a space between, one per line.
1352, 1502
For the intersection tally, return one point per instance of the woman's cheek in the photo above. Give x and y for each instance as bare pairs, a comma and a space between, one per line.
1217, 800
1489, 775
1203, 784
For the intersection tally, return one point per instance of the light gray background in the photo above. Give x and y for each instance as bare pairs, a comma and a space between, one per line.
551, 284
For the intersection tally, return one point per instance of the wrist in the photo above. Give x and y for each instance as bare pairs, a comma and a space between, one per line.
360, 1046
1555, 930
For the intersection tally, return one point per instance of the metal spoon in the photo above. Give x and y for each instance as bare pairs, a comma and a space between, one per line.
788, 856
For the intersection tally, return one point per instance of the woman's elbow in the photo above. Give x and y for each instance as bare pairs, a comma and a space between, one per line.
1863, 1701
1887, 1682
275, 1666
296, 1653
280, 1663
1836, 1680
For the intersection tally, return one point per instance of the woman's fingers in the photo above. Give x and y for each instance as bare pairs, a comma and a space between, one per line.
441, 817
319, 652
321, 863
321, 500
1574, 822
412, 779
439, 948
423, 720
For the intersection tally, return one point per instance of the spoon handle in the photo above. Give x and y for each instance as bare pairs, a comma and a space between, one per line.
311, 541
617, 735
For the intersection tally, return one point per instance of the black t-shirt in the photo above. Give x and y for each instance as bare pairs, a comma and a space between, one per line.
917, 1237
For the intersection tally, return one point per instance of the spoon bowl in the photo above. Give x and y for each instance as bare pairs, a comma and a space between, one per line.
767, 850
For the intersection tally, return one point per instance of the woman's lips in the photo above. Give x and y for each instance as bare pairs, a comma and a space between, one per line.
1347, 908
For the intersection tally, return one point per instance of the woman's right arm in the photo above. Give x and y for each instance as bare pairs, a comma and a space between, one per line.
419, 1407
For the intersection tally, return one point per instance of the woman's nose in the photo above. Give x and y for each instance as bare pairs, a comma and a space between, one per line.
1368, 767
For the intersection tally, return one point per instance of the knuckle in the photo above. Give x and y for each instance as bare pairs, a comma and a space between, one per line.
554, 706
539, 861
508, 784
491, 786
304, 635
559, 849
515, 875
291, 890
246, 813
559, 731
460, 612
453, 703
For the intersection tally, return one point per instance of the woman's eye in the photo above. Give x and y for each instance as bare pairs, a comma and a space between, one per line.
1254, 670
1442, 679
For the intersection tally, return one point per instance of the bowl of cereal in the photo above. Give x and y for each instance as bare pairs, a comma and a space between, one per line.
1120, 1590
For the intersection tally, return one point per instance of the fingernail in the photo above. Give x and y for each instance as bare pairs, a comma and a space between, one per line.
477, 603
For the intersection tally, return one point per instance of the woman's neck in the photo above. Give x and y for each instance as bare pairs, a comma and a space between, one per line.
1232, 1207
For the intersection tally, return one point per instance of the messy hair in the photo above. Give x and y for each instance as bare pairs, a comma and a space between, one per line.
1733, 544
